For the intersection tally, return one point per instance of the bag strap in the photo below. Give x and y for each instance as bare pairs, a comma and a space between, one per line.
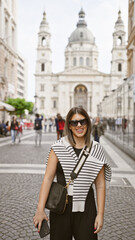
80, 163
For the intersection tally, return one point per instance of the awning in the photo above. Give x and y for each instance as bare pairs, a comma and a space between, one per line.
6, 107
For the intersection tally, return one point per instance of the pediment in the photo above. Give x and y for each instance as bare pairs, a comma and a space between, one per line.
81, 70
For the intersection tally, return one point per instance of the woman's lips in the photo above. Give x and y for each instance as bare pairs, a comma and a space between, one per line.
79, 130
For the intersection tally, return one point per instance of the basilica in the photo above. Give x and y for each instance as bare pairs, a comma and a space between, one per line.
80, 84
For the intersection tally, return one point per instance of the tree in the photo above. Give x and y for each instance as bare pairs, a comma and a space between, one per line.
20, 105
29, 107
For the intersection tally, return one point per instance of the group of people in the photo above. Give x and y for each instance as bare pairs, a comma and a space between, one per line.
15, 129
97, 128
81, 218
59, 124
119, 124
4, 128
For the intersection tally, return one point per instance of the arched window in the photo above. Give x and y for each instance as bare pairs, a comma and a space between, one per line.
119, 41
87, 61
6, 67
43, 41
42, 67
80, 96
119, 67
41, 87
95, 62
81, 34
81, 61
6, 30
42, 104
54, 104
13, 37
74, 61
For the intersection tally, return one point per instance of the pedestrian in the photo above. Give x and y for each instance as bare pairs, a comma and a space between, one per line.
38, 129
80, 218
57, 127
97, 130
45, 125
14, 128
7, 127
61, 124
50, 124
3, 128
124, 124
19, 131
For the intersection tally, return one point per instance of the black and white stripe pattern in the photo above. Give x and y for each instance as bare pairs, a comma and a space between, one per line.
88, 173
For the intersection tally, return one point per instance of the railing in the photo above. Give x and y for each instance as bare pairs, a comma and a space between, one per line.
118, 113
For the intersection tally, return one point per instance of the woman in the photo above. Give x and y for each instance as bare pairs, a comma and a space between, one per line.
97, 130
61, 124
80, 219
14, 128
19, 131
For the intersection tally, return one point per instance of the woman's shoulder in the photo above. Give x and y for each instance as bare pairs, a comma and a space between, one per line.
59, 142
96, 148
98, 153
95, 143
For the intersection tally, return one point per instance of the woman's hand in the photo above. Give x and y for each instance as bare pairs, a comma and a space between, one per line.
98, 223
40, 215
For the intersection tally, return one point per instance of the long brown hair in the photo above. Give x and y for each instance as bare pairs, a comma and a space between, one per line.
67, 130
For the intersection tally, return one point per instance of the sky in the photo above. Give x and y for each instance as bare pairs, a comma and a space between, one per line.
62, 16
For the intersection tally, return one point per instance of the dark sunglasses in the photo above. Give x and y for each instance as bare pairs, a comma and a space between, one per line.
74, 123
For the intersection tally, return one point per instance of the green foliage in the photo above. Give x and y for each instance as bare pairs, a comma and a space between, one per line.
29, 107
20, 105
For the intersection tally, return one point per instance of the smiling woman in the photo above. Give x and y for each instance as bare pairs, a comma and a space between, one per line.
78, 124
80, 219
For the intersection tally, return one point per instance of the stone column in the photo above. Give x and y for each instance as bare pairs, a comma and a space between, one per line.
71, 99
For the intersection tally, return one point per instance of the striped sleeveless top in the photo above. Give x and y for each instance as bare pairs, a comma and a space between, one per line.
94, 163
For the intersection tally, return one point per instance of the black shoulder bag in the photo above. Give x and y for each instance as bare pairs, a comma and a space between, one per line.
58, 196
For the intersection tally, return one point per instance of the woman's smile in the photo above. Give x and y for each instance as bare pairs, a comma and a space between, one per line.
79, 130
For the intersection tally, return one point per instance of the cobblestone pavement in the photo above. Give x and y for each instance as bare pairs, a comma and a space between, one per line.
21, 173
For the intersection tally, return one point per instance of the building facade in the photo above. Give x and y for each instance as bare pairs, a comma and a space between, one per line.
21, 78
80, 84
8, 49
131, 38
122, 101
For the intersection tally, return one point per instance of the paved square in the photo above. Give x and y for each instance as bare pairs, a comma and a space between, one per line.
19, 193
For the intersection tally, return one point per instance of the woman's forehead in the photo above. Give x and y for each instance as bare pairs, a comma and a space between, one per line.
77, 116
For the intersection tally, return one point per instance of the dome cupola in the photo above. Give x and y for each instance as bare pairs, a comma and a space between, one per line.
44, 22
81, 33
81, 50
81, 21
119, 20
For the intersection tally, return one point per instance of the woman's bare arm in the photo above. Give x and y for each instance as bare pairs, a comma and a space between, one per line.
100, 191
45, 188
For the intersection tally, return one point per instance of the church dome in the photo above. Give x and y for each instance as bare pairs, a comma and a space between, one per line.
81, 33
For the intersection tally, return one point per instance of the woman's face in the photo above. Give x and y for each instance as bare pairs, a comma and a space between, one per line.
78, 128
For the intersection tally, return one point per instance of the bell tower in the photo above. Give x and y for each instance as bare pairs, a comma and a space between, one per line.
119, 53
43, 69
44, 53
